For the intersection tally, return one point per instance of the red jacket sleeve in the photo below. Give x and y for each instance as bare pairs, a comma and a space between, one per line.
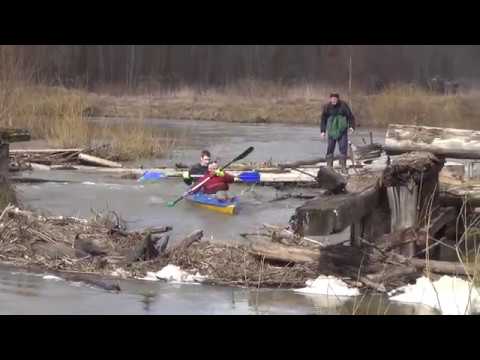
229, 179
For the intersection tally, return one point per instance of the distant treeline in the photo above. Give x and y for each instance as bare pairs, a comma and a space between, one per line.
217, 65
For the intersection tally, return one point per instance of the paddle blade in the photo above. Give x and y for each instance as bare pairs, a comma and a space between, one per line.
172, 204
250, 177
151, 176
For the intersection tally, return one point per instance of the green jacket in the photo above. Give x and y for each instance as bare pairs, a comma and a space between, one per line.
341, 109
336, 126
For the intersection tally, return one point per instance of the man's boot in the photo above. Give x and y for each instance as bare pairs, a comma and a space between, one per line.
329, 161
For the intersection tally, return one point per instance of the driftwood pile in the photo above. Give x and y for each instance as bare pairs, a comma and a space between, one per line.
97, 246
21, 160
76, 249
272, 257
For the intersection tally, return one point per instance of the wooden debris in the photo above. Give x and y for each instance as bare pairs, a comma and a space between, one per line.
194, 237
444, 142
444, 267
331, 180
14, 135
89, 159
277, 232
332, 214
45, 151
287, 254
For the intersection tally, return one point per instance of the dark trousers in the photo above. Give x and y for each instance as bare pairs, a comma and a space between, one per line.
342, 144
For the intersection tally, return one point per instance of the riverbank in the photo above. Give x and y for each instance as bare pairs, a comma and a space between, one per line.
62, 117
270, 103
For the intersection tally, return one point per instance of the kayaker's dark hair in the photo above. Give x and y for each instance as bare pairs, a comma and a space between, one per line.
206, 153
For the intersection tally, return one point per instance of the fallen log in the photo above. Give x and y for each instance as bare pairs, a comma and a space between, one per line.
459, 195
53, 251
290, 235
392, 273
294, 196
44, 151
444, 267
402, 237
398, 239
4, 158
434, 244
371, 284
39, 167
27, 180
445, 142
287, 254
186, 243
421, 167
367, 152
328, 215
16, 167
363, 152
89, 246
15, 135
301, 163
330, 180
441, 218
150, 248
89, 159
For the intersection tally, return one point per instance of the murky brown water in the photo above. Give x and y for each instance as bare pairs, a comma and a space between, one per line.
144, 205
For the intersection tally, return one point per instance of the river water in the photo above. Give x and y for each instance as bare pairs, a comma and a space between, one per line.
143, 205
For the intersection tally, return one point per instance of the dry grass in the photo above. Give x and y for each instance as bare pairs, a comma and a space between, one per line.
404, 104
59, 116
252, 101
136, 140
246, 102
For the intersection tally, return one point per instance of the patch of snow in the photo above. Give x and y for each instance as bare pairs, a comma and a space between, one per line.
449, 295
52, 277
88, 183
330, 286
120, 273
172, 273
150, 277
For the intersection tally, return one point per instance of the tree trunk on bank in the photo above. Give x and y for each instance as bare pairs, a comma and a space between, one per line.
444, 142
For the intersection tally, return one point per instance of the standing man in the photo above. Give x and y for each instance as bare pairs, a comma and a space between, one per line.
198, 170
337, 120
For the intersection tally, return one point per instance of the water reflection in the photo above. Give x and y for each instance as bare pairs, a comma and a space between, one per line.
139, 297
20, 285
148, 298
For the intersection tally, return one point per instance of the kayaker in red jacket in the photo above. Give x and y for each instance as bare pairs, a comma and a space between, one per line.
218, 184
